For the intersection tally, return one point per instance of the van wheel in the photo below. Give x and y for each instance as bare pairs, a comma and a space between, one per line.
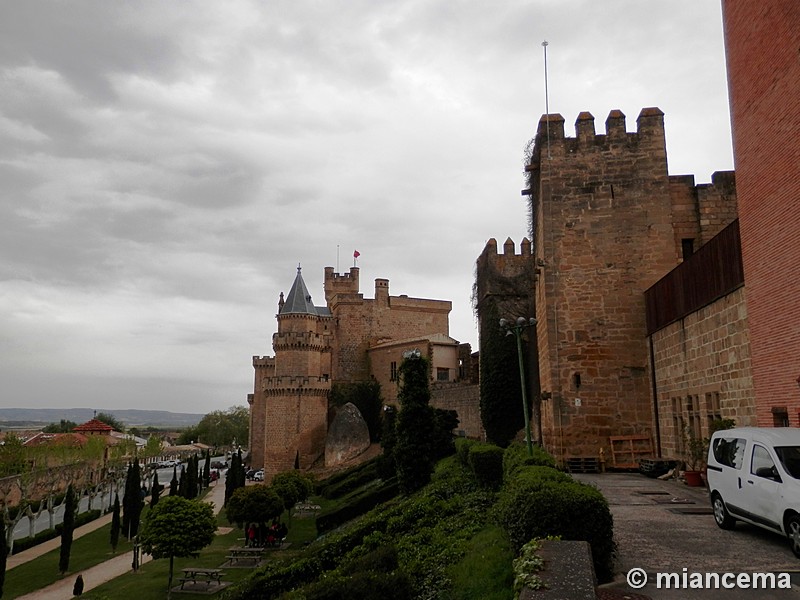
723, 519
793, 533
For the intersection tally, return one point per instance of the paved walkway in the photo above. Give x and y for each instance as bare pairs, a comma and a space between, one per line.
103, 572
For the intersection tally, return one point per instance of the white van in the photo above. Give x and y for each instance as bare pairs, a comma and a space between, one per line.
754, 476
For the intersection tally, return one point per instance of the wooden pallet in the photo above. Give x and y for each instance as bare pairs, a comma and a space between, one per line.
583, 464
626, 450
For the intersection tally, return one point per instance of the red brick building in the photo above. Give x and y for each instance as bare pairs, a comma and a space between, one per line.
762, 42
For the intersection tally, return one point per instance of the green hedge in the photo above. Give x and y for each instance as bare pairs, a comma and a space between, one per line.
340, 476
539, 506
357, 506
49, 534
486, 462
462, 449
516, 457
338, 487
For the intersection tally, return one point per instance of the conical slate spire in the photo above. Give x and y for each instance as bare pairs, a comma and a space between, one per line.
298, 300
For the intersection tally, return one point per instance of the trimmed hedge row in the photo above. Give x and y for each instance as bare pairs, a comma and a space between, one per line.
49, 534
516, 457
357, 477
486, 462
357, 506
539, 501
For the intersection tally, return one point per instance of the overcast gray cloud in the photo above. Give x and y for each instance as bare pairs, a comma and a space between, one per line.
165, 166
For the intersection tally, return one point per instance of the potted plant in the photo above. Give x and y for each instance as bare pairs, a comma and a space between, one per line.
694, 458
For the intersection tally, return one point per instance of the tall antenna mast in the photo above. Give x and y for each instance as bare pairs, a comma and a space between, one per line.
546, 99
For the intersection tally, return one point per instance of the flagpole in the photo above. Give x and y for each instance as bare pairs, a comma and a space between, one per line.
337, 258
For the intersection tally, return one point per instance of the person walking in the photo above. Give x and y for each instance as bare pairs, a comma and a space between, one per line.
77, 589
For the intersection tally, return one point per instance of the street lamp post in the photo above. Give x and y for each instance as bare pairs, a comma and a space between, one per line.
516, 329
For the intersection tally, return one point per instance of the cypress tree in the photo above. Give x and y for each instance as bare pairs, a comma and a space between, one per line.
182, 483
132, 500
115, 524
207, 470
67, 528
155, 492
415, 430
173, 484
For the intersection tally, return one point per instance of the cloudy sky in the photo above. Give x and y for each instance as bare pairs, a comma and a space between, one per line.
165, 166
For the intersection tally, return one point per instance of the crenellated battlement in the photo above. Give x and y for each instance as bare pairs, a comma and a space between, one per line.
649, 123
341, 283
263, 361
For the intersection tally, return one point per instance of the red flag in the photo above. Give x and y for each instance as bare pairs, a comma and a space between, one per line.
356, 254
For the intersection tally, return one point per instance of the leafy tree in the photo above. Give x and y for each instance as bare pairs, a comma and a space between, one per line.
132, 502
253, 504
177, 527
65, 426
12, 456
155, 491
220, 428
67, 528
110, 419
115, 524
291, 487
366, 396
414, 450
153, 446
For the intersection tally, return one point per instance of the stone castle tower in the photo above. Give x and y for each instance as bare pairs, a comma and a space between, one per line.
349, 339
607, 222
289, 406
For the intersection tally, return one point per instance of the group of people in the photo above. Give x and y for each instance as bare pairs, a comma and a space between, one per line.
260, 535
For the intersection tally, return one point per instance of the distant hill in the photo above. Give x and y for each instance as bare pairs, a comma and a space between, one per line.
36, 417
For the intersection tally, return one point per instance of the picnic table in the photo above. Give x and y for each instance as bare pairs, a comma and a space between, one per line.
201, 575
237, 553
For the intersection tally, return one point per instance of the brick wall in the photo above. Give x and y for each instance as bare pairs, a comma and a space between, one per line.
762, 40
703, 371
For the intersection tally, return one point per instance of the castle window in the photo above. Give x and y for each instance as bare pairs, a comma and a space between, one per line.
393, 371
687, 246
442, 374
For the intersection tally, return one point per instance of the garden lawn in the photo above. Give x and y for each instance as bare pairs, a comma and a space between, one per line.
87, 551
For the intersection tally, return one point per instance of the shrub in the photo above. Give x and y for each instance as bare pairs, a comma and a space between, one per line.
516, 456
462, 450
486, 462
536, 507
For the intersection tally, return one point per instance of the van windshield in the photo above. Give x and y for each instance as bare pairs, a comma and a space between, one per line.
790, 459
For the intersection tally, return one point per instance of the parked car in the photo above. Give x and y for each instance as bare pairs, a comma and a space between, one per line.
259, 476
754, 476
250, 473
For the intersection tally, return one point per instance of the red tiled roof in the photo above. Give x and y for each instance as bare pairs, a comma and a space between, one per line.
57, 439
94, 426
